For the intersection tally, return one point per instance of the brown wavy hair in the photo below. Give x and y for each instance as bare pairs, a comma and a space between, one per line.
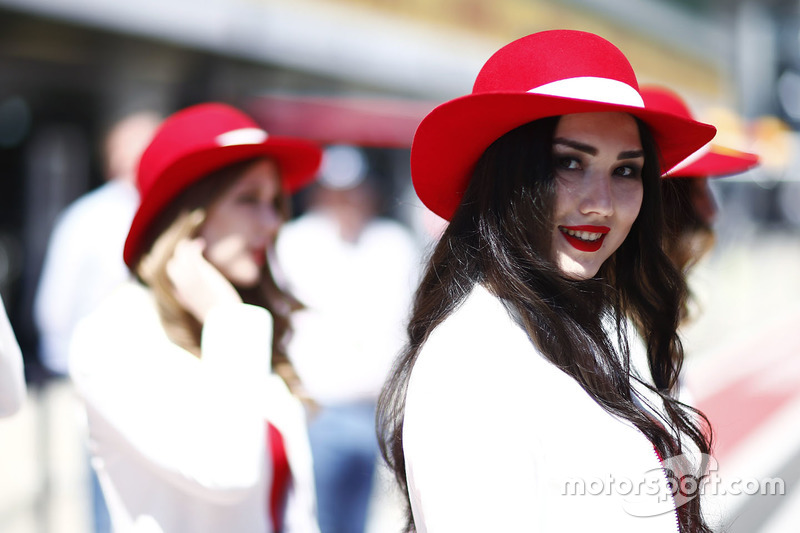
183, 219
500, 237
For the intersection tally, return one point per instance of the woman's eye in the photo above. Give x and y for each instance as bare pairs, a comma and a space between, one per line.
628, 171
568, 163
247, 199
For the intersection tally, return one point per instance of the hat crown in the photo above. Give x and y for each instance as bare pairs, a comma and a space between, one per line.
662, 99
193, 130
545, 74
550, 57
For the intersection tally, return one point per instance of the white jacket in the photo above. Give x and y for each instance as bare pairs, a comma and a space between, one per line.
352, 326
179, 442
496, 438
12, 375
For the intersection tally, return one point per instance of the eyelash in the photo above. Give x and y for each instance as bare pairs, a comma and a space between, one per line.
247, 199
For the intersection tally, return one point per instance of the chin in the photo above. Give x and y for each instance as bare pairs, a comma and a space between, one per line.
576, 276
245, 278
577, 272
247, 283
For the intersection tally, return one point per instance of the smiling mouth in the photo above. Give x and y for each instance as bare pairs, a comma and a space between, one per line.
585, 238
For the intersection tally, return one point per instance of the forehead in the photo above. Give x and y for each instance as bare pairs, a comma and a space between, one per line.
600, 128
260, 173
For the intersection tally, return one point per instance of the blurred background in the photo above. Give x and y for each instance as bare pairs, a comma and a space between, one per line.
364, 72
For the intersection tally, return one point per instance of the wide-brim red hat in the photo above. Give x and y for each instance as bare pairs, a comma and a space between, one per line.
710, 161
198, 140
550, 73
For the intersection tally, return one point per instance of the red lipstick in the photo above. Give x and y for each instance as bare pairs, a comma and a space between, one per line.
585, 238
260, 256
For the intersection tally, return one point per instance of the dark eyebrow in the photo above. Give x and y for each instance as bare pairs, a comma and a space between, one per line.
632, 154
591, 150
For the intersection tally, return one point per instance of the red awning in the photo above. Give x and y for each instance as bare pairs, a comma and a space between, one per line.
369, 122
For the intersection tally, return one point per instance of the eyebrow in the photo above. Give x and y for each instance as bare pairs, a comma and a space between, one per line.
591, 150
631, 154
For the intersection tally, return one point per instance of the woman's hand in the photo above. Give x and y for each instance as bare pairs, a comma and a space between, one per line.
199, 286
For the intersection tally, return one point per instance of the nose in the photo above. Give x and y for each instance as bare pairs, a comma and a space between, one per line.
597, 194
269, 220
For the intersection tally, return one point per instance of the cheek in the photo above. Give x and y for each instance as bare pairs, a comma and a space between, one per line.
563, 193
222, 251
630, 203
224, 240
223, 226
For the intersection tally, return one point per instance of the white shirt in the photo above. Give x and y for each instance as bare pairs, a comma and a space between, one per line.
12, 378
358, 297
179, 442
496, 438
82, 266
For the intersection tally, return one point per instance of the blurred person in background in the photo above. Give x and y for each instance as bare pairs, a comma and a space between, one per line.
83, 263
12, 371
354, 271
194, 420
689, 205
510, 384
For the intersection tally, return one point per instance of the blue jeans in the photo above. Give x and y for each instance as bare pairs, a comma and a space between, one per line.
345, 451
100, 516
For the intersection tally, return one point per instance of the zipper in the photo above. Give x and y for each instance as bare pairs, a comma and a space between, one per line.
671, 492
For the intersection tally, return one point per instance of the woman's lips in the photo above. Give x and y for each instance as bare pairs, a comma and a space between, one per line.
260, 256
585, 238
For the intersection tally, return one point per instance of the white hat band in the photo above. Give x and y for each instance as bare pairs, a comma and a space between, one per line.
691, 159
242, 136
593, 89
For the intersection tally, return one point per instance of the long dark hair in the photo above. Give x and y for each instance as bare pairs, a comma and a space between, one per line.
500, 237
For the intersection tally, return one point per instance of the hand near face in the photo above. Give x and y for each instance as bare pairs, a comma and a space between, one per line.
199, 286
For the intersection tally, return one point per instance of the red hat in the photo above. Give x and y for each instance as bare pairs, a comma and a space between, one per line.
198, 140
711, 160
545, 74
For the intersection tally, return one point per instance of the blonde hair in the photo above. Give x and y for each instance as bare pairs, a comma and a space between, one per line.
182, 219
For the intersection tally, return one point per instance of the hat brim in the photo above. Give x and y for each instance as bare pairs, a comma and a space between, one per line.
298, 161
718, 162
451, 138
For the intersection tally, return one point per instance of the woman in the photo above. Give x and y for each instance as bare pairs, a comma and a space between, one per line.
191, 427
689, 206
510, 402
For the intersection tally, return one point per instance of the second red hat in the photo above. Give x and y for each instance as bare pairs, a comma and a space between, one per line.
710, 161
198, 140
